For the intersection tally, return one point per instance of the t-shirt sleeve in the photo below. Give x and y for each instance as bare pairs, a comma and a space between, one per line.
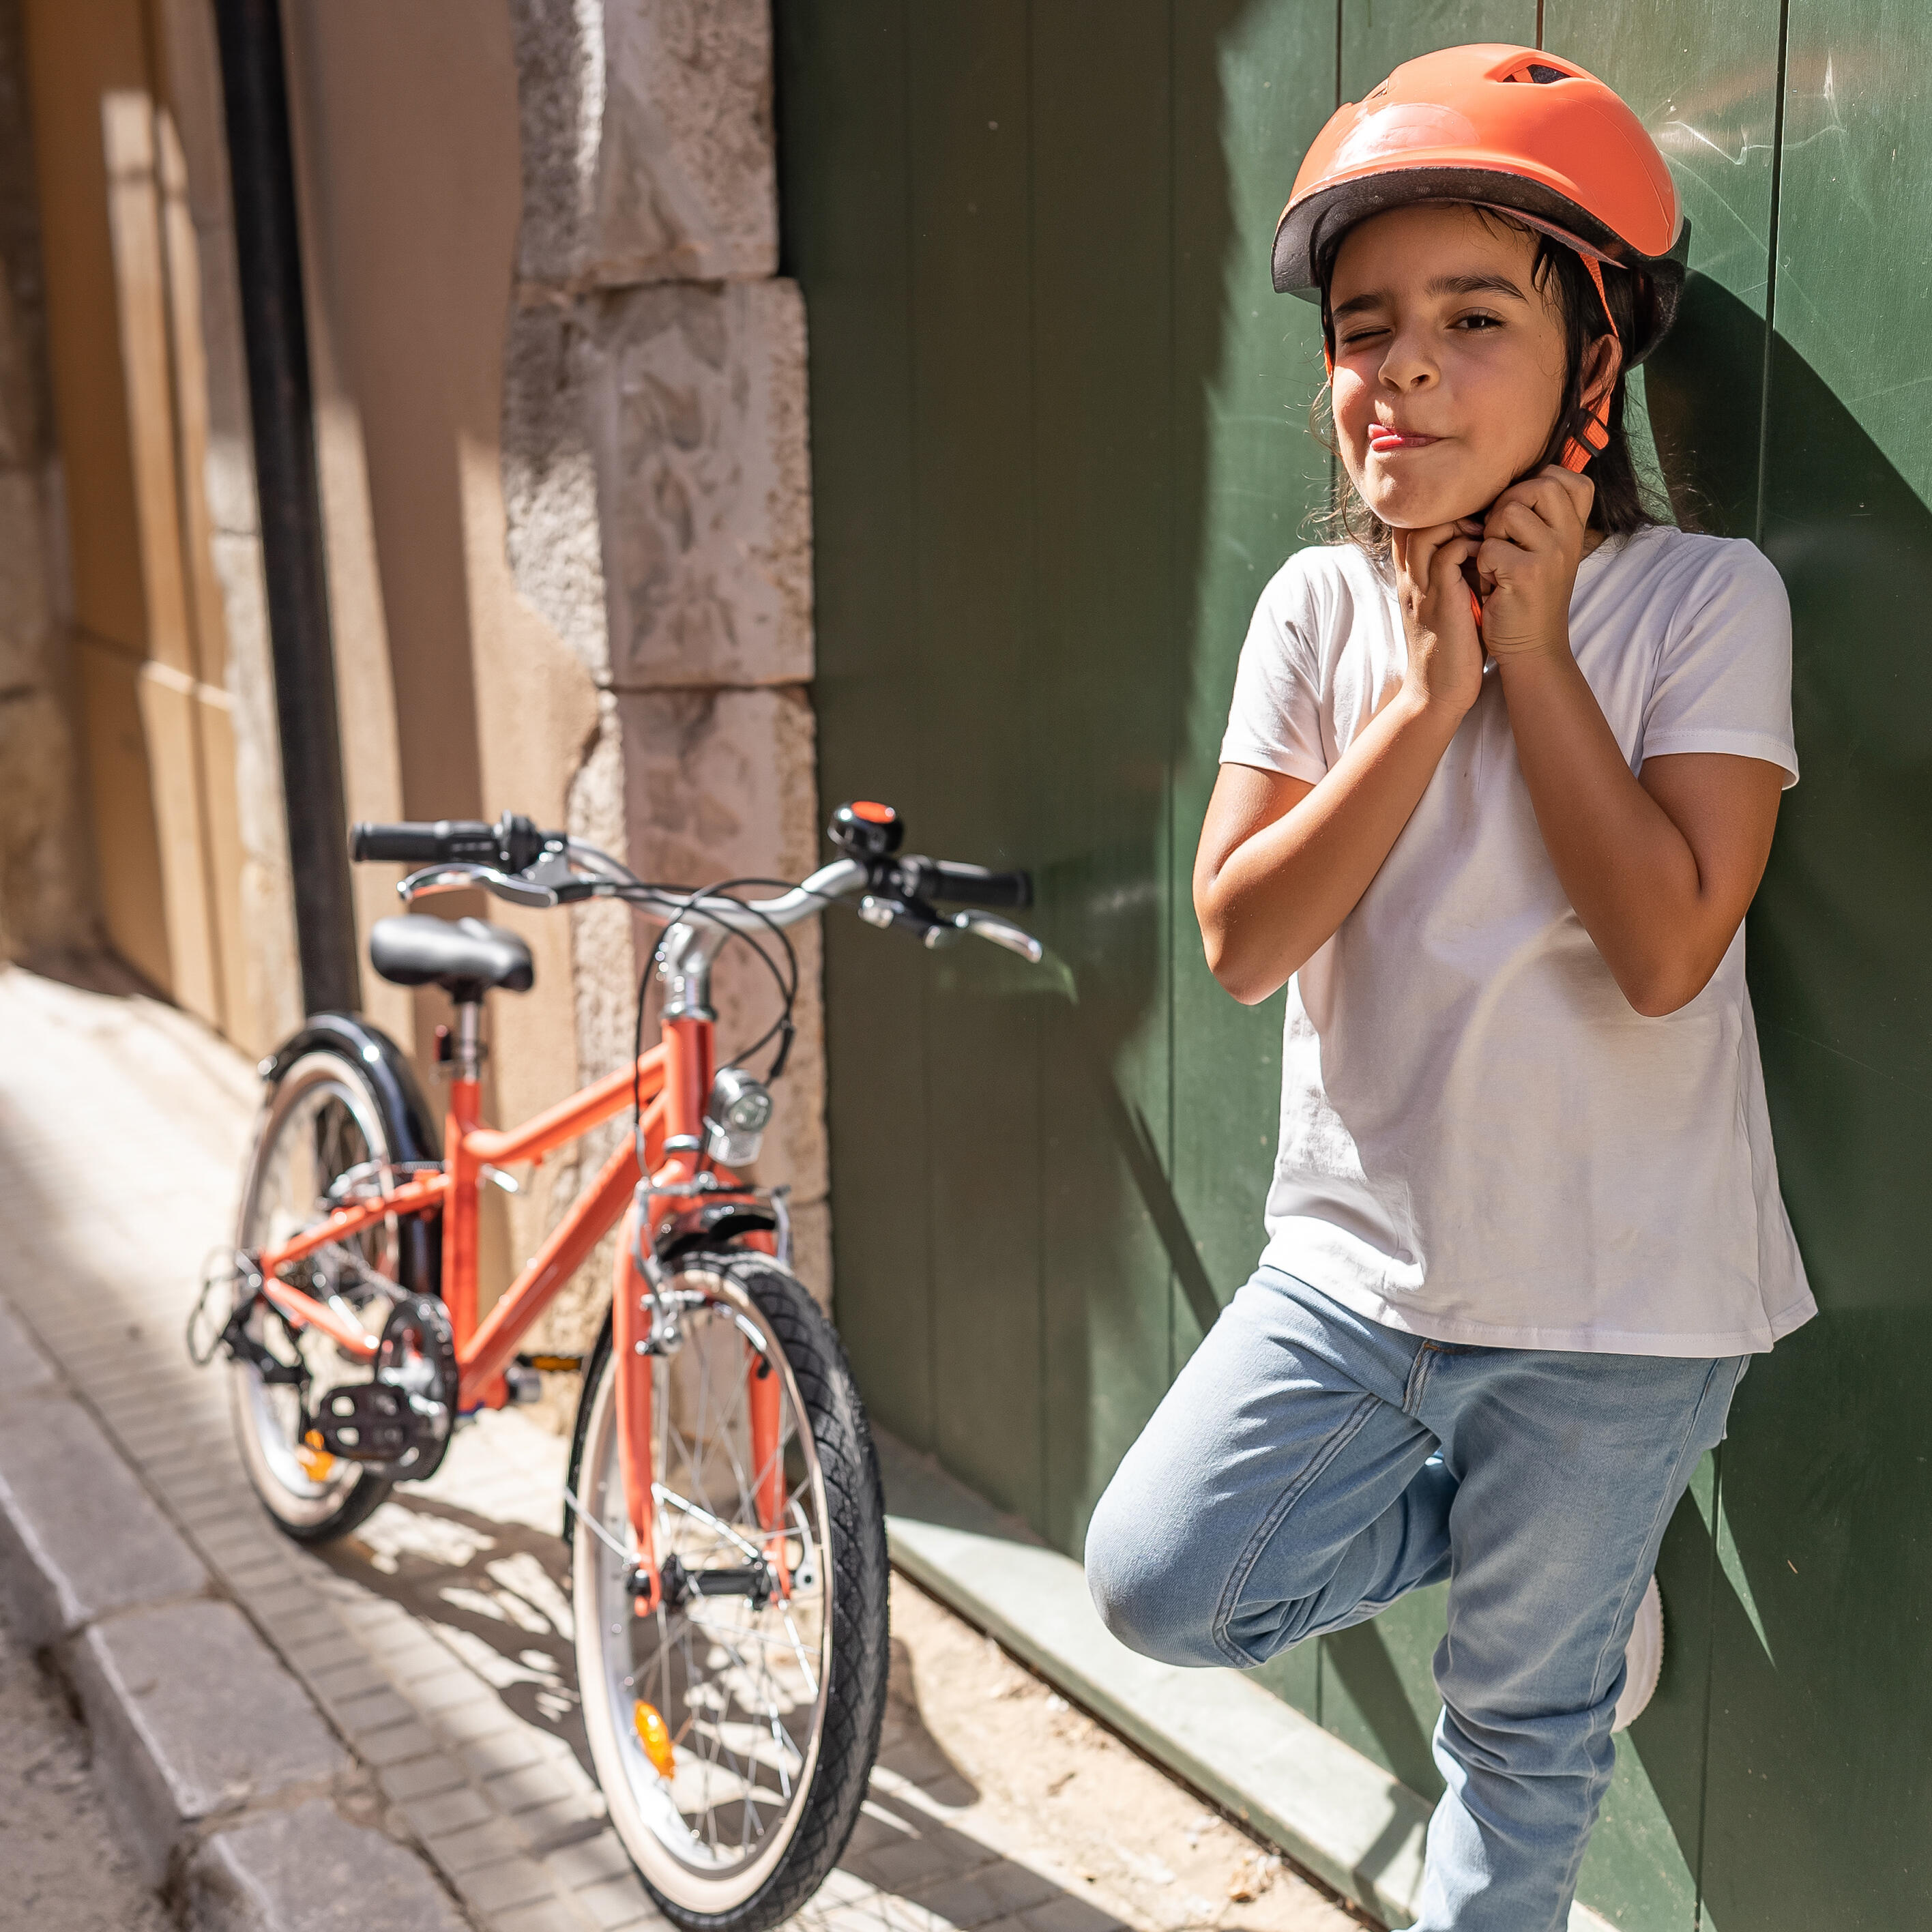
1724, 681
1275, 722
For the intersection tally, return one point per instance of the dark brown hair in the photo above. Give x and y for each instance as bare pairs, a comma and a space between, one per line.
1625, 502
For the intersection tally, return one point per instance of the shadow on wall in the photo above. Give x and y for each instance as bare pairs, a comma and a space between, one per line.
1819, 1694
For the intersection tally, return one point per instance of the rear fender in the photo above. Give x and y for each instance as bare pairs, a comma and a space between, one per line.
412, 1130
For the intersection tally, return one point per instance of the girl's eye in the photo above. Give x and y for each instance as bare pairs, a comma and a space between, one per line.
1478, 324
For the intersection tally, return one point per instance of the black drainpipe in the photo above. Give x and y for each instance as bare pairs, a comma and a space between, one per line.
267, 247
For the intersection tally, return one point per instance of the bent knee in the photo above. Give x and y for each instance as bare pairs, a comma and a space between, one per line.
1154, 1591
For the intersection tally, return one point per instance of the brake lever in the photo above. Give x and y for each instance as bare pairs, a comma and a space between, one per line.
934, 929
917, 917
1001, 932
518, 889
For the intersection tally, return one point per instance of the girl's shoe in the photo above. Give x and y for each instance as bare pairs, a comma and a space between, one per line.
1643, 1659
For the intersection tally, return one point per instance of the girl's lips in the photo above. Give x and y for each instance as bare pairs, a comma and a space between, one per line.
1382, 441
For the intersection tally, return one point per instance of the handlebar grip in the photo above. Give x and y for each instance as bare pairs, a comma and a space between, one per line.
444, 841
974, 885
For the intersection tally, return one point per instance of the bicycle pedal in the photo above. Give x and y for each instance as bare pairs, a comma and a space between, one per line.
372, 1422
524, 1382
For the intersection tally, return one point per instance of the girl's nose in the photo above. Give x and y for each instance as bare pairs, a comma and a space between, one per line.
1407, 365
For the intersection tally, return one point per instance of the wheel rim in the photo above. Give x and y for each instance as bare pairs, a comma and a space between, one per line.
742, 1691
321, 1127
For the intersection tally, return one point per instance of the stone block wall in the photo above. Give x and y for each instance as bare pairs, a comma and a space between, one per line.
656, 485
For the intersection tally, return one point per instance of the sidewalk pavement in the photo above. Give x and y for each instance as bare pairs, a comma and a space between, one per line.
384, 1733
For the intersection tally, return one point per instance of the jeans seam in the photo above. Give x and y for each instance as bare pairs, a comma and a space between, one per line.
1244, 1564
1683, 1448
1426, 1358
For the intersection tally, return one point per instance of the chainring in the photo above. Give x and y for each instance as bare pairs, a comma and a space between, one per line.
418, 1355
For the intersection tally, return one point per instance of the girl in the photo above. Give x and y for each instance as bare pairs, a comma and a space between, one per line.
1498, 784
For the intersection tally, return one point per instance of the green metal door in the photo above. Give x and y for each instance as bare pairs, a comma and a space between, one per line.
1060, 442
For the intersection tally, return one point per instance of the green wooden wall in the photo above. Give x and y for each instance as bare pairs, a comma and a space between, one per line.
1059, 444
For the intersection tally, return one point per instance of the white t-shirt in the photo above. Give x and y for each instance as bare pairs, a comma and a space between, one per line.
1481, 1141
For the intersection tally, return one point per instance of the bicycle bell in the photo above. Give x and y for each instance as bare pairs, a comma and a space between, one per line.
736, 1116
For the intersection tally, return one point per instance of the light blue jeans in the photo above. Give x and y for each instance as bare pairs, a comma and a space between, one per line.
1309, 1467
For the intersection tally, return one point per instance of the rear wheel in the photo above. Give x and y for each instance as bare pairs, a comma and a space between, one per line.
323, 1140
771, 1709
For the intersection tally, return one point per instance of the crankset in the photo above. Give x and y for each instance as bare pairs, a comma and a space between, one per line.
403, 1416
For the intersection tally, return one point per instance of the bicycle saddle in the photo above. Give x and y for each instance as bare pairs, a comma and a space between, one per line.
463, 956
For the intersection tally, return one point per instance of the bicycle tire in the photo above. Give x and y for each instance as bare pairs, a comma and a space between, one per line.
307, 1511
852, 1705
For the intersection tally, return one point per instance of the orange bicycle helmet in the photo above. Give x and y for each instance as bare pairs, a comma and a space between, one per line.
1515, 129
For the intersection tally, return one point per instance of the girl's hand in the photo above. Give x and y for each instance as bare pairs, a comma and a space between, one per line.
1445, 655
1532, 541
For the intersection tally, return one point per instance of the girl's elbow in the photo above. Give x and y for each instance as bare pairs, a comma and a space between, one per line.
1249, 981
1667, 988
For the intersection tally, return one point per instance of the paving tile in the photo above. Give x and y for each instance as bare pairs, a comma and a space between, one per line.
342, 1681
504, 1750
537, 1783
478, 1845
281, 1599
517, 1881
565, 1823
908, 1865
396, 1745
448, 1811
449, 1687
617, 1902
588, 1862
370, 1711
546, 1915
421, 1777
464, 1723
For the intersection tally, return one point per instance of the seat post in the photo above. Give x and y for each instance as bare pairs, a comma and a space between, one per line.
467, 1056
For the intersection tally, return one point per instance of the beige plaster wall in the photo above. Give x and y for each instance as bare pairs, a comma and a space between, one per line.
458, 700
45, 900
263, 967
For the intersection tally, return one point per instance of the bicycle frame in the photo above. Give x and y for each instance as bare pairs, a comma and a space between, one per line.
673, 1079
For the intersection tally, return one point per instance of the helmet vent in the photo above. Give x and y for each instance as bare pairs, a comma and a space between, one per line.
1539, 72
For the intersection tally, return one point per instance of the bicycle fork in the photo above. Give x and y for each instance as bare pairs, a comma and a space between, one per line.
636, 1339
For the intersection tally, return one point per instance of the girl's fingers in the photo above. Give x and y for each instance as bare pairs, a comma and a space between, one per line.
1558, 497
1580, 491
1521, 524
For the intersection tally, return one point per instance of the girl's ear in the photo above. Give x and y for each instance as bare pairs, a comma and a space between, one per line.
1602, 362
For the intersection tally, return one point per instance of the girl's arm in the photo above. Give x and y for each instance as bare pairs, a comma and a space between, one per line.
1281, 863
1660, 870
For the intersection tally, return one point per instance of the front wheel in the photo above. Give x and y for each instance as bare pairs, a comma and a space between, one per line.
771, 1707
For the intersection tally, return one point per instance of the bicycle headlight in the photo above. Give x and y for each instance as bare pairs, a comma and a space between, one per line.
736, 1116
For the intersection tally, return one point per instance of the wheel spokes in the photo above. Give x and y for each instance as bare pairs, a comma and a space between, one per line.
737, 1680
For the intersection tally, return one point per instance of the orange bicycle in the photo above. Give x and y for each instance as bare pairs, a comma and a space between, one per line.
723, 1504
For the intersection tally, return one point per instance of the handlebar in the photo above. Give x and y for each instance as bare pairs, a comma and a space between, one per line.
946, 879
515, 861
511, 844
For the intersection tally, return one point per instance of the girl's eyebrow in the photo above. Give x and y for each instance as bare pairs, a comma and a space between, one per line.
1440, 285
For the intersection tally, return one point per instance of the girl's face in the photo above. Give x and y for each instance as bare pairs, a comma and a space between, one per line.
1449, 361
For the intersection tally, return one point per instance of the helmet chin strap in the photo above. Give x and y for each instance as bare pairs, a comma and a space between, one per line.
1578, 449
1596, 433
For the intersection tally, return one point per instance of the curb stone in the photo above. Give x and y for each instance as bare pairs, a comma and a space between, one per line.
79, 1537
192, 1718
308, 1870
198, 1732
